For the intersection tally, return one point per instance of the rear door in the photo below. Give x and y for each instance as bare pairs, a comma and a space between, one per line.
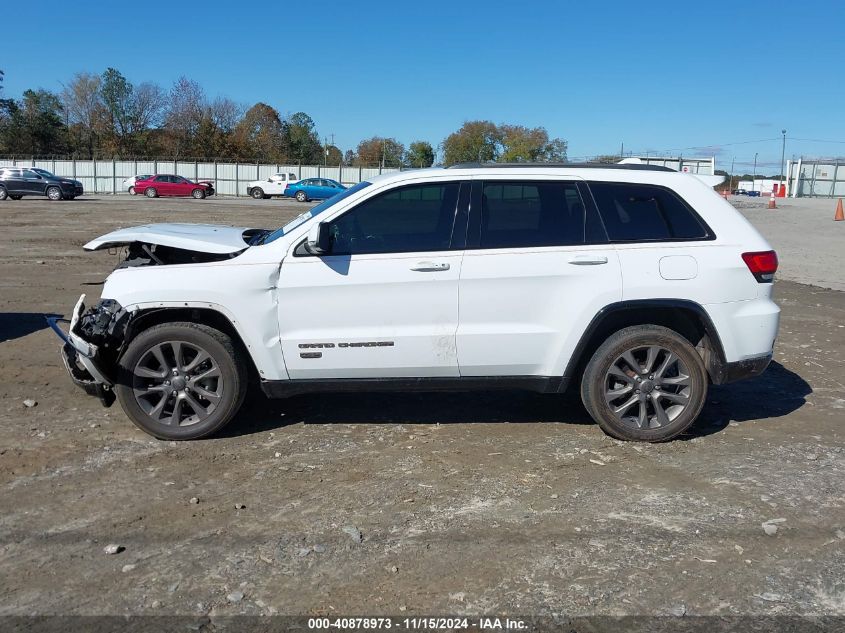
536, 270
384, 303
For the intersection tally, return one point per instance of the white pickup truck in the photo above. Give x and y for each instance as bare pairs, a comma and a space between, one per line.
273, 186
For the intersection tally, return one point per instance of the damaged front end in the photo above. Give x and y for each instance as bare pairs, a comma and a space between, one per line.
92, 345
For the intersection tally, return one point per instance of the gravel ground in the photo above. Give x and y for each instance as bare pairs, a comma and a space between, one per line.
413, 503
809, 243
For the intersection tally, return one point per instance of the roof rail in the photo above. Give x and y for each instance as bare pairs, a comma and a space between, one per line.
629, 166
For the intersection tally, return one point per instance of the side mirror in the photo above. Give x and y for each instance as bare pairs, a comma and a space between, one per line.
319, 240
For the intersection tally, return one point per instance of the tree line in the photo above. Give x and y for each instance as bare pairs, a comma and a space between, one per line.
106, 115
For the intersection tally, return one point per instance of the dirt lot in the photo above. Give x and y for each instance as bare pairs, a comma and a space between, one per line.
465, 504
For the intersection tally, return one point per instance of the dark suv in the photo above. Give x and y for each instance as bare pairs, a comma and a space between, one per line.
16, 182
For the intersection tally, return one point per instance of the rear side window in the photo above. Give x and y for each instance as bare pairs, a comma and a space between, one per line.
634, 212
530, 214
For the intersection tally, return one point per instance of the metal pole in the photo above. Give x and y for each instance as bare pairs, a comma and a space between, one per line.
732, 173
754, 175
782, 155
797, 185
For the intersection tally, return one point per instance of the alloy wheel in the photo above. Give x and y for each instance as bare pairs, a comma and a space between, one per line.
177, 383
647, 387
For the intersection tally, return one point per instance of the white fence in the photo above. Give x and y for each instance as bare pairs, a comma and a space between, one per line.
230, 179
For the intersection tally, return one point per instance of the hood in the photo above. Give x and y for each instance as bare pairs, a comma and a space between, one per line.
203, 238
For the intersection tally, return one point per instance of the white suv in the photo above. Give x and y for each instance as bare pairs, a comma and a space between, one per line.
637, 285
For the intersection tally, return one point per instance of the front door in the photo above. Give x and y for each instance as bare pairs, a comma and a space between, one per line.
536, 270
384, 303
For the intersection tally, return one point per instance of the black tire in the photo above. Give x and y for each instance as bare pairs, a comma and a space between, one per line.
131, 191
685, 381
54, 193
301, 197
150, 192
3, 193
258, 193
230, 385
198, 193
15, 197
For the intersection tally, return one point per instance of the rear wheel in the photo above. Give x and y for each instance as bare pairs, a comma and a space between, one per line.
54, 193
258, 193
150, 192
645, 383
199, 194
181, 381
3, 193
301, 197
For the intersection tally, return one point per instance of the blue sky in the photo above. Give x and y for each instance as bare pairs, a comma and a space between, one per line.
694, 78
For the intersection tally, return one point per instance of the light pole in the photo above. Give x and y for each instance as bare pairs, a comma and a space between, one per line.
754, 175
782, 155
731, 185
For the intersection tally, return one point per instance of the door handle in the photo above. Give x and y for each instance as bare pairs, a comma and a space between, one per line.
429, 267
588, 260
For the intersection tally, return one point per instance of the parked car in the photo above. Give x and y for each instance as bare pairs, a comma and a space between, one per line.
16, 182
273, 186
463, 278
739, 192
168, 185
129, 183
753, 194
313, 189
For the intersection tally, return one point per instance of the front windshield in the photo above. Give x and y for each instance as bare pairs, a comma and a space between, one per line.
314, 211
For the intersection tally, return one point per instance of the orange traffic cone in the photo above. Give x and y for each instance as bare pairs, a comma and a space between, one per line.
772, 204
839, 216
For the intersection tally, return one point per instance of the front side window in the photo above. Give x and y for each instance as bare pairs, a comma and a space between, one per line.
162, 179
416, 218
635, 212
518, 214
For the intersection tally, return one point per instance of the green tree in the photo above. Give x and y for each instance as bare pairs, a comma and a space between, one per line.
475, 141
420, 154
302, 142
34, 125
117, 97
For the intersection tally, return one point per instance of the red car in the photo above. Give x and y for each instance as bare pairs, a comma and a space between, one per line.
167, 185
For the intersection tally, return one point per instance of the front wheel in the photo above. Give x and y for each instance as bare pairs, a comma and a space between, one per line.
181, 381
54, 193
3, 193
301, 197
645, 383
199, 194
131, 191
150, 192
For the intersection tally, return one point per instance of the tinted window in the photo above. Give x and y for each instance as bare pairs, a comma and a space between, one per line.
162, 179
645, 212
525, 214
408, 219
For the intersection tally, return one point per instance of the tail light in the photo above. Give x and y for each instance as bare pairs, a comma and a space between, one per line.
762, 265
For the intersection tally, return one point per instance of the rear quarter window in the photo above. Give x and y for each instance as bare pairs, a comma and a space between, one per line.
637, 212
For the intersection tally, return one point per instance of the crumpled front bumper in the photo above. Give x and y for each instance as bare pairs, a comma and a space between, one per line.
81, 357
